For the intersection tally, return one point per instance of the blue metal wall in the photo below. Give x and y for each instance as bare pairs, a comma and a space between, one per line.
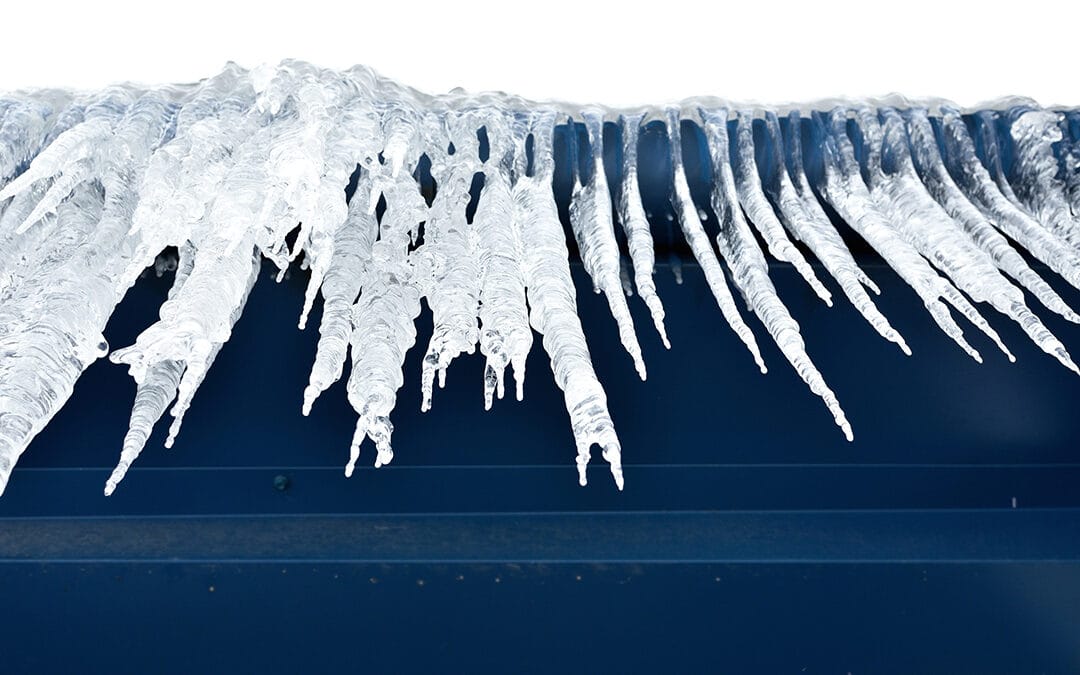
750, 538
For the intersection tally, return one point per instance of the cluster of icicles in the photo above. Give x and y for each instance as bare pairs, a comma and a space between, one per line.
96, 185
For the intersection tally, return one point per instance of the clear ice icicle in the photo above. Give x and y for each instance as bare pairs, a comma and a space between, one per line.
927, 227
248, 166
979, 187
154, 393
931, 169
505, 336
51, 335
340, 287
636, 226
383, 317
455, 295
1035, 171
591, 220
843, 188
553, 311
694, 232
750, 270
195, 323
800, 212
760, 212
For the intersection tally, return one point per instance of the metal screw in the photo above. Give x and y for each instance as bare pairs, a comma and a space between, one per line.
281, 483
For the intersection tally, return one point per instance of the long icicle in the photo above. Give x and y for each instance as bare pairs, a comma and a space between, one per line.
978, 185
384, 316
758, 210
249, 166
636, 226
552, 309
154, 393
340, 288
750, 270
931, 169
1035, 170
591, 220
925, 225
699, 243
843, 188
505, 336
455, 294
801, 213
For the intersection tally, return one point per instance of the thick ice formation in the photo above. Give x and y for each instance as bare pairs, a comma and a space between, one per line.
250, 166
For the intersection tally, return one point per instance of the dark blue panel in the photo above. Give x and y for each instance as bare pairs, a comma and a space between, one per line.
532, 618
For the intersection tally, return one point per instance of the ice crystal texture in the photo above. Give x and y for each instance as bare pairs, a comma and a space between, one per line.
253, 166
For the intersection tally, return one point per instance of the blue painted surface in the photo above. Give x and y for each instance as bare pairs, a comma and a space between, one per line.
750, 538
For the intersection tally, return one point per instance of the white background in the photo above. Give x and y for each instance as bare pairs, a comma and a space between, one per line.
608, 52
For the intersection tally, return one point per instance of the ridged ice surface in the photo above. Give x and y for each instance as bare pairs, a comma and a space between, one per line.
789, 190
750, 270
927, 226
591, 220
635, 225
390, 200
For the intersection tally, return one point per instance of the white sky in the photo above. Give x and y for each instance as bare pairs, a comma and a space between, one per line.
607, 52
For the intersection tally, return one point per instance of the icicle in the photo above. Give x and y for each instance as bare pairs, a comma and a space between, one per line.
153, 396
352, 141
636, 226
344, 277
931, 169
505, 336
24, 129
552, 309
68, 149
195, 323
758, 209
699, 244
154, 393
801, 213
844, 189
591, 220
978, 185
1035, 171
987, 140
931, 230
94, 186
455, 295
64, 318
59, 190
51, 335
18, 208
1070, 157
750, 270
383, 317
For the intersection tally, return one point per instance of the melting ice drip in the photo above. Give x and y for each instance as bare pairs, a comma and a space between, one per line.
96, 185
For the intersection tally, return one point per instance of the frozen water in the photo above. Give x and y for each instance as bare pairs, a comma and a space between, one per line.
751, 272
978, 186
931, 169
591, 220
252, 166
932, 231
758, 210
694, 232
636, 226
799, 210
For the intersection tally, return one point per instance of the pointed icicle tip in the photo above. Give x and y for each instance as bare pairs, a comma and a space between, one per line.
311, 394
354, 455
